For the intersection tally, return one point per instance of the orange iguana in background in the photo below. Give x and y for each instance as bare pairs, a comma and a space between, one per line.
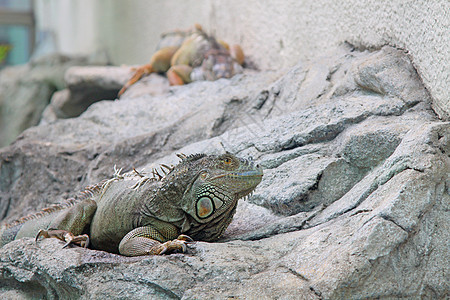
191, 55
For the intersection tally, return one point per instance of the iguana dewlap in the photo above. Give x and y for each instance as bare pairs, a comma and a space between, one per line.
135, 215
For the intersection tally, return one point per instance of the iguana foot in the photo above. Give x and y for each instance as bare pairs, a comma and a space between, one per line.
65, 236
177, 245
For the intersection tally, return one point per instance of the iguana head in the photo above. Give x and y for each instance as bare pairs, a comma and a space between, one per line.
215, 185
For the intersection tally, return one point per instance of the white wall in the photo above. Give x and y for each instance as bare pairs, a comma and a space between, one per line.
275, 34
73, 25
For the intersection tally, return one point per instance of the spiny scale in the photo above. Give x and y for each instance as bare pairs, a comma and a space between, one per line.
181, 155
85, 194
55, 207
166, 167
195, 156
190, 157
155, 173
137, 173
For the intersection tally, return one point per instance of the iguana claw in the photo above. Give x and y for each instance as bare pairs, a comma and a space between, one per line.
65, 236
177, 245
187, 239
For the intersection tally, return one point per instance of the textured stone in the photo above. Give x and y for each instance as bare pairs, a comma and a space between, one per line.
85, 86
23, 97
25, 91
354, 202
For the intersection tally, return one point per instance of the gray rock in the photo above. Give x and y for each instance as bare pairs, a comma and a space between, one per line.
85, 86
26, 90
390, 72
23, 97
354, 202
93, 77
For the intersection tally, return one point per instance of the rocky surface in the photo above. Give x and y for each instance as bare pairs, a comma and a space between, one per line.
26, 90
354, 202
84, 86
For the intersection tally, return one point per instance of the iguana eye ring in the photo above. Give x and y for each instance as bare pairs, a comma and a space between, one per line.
203, 175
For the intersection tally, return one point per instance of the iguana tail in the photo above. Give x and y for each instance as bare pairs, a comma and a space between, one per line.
138, 74
8, 231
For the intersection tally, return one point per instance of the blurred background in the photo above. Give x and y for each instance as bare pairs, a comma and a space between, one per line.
274, 34
17, 31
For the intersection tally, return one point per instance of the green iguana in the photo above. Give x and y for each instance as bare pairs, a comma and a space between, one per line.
133, 214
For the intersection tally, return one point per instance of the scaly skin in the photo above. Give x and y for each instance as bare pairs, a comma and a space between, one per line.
135, 215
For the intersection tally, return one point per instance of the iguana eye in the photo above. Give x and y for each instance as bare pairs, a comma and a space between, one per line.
203, 175
227, 162
205, 207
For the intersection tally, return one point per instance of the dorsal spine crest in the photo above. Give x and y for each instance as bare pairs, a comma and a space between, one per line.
87, 193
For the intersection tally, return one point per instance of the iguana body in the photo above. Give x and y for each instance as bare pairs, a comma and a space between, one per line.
138, 215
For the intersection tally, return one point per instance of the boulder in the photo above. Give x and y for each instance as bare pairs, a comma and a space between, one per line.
354, 201
85, 85
26, 90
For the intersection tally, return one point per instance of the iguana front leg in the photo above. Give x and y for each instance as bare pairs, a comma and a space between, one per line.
65, 236
68, 226
148, 241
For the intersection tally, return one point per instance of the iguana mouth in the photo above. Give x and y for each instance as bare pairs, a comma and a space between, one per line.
245, 193
247, 179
